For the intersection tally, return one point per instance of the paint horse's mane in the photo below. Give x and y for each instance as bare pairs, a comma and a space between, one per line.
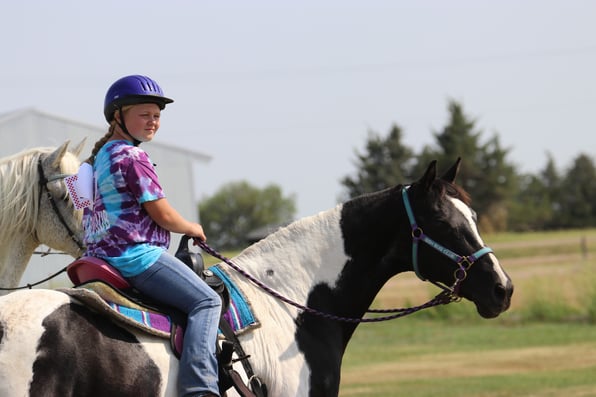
441, 188
20, 190
453, 190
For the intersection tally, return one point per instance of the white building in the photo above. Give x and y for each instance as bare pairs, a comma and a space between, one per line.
28, 128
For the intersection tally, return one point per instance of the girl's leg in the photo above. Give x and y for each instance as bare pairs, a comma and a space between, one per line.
172, 282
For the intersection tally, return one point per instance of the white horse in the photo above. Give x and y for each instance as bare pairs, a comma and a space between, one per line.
35, 208
327, 269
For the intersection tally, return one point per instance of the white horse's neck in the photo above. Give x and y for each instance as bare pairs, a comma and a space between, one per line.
14, 257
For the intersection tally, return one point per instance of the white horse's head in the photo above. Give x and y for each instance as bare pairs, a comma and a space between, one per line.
59, 223
35, 207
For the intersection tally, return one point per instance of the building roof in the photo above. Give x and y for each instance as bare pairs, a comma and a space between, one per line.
34, 113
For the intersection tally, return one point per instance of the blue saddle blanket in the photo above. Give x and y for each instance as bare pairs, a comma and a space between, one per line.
240, 314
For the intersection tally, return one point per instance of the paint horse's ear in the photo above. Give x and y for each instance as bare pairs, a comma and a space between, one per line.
429, 176
56, 156
451, 173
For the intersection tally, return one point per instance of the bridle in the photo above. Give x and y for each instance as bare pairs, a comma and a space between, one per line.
43, 182
463, 262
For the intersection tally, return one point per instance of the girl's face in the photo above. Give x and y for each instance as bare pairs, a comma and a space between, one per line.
142, 121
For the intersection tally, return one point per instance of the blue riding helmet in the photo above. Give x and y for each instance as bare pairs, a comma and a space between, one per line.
133, 90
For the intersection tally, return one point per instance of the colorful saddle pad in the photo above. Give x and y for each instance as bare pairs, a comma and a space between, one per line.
106, 299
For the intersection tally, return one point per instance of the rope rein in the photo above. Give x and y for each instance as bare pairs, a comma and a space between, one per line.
30, 286
442, 298
446, 296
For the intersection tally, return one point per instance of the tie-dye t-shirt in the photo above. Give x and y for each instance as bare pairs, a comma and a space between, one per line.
117, 227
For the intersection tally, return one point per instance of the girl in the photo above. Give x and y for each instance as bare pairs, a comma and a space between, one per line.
130, 221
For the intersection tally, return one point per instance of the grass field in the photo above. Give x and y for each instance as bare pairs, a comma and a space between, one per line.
415, 357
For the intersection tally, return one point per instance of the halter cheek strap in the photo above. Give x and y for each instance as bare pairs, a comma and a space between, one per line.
463, 262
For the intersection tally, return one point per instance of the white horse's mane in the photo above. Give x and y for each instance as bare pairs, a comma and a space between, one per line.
20, 190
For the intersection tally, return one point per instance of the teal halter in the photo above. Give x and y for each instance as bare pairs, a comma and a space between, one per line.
463, 262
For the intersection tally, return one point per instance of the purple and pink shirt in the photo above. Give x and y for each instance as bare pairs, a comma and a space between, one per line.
117, 227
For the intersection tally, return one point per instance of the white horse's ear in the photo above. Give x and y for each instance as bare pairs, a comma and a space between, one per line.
79, 148
56, 156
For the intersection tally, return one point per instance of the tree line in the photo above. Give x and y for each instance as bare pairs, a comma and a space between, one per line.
504, 198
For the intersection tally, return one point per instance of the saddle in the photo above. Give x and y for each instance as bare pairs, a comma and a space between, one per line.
101, 286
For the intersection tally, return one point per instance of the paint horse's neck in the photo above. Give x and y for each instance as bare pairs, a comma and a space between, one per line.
334, 262
296, 258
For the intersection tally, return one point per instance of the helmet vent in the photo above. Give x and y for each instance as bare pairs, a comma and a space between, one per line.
148, 87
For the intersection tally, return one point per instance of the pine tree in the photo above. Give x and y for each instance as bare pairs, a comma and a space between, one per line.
385, 162
485, 172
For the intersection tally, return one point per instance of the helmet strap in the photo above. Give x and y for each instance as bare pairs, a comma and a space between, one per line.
122, 124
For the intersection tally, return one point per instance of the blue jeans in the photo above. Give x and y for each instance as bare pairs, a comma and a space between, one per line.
172, 282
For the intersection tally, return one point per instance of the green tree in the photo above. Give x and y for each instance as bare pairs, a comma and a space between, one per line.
237, 208
385, 162
577, 196
532, 208
485, 172
536, 204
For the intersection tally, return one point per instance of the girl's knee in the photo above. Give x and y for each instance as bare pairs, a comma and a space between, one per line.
213, 299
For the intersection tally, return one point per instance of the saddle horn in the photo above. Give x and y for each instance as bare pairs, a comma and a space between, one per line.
194, 260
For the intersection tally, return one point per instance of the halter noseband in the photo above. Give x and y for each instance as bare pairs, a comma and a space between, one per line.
43, 182
463, 262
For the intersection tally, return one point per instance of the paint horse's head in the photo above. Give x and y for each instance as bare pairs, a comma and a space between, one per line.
428, 227
447, 248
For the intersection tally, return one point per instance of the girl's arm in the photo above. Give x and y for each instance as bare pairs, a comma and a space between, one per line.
167, 217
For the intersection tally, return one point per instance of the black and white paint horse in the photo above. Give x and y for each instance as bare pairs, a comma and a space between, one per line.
334, 262
35, 208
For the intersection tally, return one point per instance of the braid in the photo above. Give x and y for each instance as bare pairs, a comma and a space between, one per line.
99, 144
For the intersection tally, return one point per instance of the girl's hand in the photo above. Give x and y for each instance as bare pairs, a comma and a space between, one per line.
198, 234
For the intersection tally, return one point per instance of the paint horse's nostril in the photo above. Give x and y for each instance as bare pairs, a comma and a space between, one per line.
500, 292
503, 293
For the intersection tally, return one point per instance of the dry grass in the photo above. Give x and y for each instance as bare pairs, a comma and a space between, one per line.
482, 363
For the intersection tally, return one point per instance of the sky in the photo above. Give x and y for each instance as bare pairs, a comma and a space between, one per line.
285, 92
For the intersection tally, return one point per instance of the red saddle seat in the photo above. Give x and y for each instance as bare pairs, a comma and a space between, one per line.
89, 268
